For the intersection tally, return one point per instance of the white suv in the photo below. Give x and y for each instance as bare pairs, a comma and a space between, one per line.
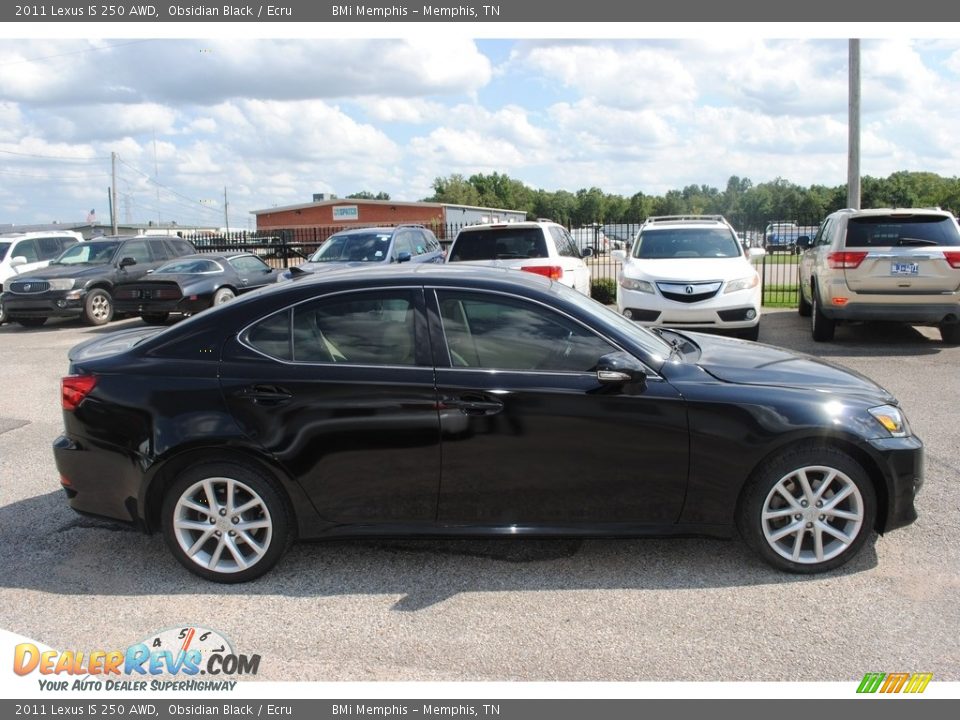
540, 247
886, 264
22, 252
689, 271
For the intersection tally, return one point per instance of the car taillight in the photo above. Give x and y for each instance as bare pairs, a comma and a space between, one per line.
845, 260
554, 272
74, 388
952, 257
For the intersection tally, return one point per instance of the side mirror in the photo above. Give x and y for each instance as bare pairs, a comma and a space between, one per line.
586, 252
621, 371
804, 242
403, 257
618, 255
127, 262
18, 261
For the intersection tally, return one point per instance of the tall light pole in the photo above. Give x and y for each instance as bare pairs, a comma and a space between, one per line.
853, 128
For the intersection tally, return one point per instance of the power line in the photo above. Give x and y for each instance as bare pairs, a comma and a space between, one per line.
54, 177
73, 52
170, 190
55, 157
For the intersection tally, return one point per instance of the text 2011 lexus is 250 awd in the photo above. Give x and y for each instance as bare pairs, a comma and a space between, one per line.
442, 400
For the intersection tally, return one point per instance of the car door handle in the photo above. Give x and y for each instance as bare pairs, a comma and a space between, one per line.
264, 394
477, 405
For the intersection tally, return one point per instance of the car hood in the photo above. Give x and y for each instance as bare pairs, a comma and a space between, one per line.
67, 271
688, 269
751, 363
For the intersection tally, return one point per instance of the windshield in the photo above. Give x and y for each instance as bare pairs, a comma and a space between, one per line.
4, 246
686, 243
190, 265
505, 243
355, 247
88, 253
891, 231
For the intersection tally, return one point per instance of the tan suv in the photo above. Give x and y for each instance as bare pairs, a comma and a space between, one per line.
901, 264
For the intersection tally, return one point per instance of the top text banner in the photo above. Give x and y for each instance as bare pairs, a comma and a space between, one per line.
490, 11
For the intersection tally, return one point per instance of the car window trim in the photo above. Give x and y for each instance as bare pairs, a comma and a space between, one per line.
290, 309
651, 373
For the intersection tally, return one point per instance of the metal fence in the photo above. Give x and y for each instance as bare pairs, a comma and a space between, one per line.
777, 265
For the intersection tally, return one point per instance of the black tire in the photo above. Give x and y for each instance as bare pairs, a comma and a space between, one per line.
751, 333
30, 322
803, 307
221, 296
950, 333
155, 318
3, 314
97, 307
821, 327
761, 495
250, 484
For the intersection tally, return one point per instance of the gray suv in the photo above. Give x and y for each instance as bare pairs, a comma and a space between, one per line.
901, 264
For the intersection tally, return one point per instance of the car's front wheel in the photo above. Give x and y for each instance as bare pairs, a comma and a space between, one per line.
950, 333
98, 307
803, 307
226, 522
808, 510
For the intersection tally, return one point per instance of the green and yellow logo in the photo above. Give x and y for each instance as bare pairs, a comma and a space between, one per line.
895, 682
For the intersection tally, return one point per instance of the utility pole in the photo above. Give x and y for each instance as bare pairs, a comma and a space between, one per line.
853, 127
113, 192
226, 216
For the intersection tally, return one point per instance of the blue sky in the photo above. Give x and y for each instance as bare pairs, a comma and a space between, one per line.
275, 120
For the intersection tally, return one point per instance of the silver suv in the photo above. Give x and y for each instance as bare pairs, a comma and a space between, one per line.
885, 264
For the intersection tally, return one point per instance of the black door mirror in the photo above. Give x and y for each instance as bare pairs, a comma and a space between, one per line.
403, 257
804, 242
127, 262
621, 371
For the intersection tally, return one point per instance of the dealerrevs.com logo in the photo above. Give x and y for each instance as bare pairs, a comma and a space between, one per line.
183, 658
911, 683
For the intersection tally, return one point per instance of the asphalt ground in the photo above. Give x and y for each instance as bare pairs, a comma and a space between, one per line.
680, 609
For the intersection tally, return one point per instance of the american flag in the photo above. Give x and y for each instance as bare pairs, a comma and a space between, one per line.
92, 216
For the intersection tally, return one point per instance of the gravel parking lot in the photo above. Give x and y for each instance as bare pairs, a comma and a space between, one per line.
501, 609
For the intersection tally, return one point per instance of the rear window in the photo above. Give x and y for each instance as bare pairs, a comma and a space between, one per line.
915, 231
499, 244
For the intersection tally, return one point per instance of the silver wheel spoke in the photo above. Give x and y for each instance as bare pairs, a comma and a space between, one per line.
831, 476
235, 551
252, 525
257, 547
196, 507
805, 486
229, 502
215, 558
773, 514
818, 542
197, 525
842, 514
798, 545
785, 530
836, 499
201, 541
246, 506
845, 539
211, 496
788, 497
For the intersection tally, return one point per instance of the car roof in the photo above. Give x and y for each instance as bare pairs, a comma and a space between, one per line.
904, 212
520, 224
378, 229
426, 273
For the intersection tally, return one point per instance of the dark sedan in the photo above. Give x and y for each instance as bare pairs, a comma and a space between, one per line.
191, 284
435, 400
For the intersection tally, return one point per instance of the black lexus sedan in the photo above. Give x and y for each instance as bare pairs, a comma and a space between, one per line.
438, 400
190, 284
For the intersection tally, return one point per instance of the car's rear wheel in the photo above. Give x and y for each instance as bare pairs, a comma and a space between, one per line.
155, 318
821, 327
3, 314
803, 307
950, 333
808, 510
30, 322
97, 307
221, 296
226, 522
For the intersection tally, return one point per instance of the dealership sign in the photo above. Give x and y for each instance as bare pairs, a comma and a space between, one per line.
346, 212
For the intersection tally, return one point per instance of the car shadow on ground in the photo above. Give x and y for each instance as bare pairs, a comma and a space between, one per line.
787, 329
46, 547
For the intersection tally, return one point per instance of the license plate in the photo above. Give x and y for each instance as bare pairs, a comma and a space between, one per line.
904, 269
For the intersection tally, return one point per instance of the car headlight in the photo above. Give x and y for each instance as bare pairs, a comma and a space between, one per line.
639, 285
744, 283
62, 284
892, 419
